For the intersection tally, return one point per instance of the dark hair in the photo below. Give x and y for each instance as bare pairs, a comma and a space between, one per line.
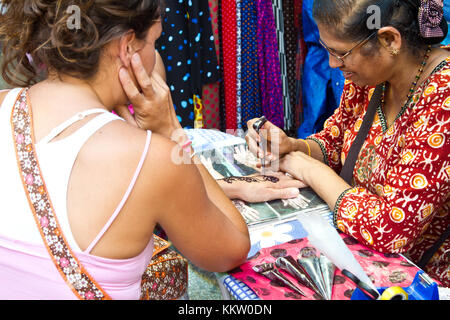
39, 29
349, 19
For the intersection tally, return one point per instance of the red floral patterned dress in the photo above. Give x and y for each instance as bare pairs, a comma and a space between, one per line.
400, 200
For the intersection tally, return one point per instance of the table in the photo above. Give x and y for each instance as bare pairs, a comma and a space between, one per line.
276, 232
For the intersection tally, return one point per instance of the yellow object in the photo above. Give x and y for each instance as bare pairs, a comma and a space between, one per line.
307, 145
394, 293
198, 112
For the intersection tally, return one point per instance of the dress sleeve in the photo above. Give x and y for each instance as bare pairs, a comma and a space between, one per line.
354, 99
416, 185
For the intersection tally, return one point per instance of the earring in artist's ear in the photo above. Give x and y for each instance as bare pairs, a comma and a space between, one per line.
394, 52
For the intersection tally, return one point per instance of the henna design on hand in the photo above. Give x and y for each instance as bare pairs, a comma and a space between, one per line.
256, 179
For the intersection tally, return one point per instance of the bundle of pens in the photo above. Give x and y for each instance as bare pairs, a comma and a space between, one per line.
311, 271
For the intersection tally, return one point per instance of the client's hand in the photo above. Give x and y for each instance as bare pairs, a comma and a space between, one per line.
259, 188
153, 106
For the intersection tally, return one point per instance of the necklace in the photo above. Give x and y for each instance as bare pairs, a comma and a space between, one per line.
414, 83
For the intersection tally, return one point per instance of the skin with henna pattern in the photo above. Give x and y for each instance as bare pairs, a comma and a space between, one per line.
252, 179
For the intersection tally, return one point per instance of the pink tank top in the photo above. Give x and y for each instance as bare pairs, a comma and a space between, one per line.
26, 270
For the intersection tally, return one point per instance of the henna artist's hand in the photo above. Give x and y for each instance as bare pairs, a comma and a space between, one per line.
153, 106
297, 164
258, 188
278, 143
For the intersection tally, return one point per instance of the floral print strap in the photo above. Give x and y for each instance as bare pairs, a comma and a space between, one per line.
159, 245
73, 273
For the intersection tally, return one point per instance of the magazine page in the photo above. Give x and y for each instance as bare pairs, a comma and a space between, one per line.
225, 155
207, 139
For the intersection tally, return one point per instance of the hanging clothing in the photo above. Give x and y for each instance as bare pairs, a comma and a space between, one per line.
290, 47
299, 62
269, 64
279, 22
238, 68
187, 48
447, 17
210, 93
222, 106
250, 99
229, 61
322, 85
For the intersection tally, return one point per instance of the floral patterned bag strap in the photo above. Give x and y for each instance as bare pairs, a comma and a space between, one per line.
66, 262
159, 245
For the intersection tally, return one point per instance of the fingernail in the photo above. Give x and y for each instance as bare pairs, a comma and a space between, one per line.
122, 72
135, 57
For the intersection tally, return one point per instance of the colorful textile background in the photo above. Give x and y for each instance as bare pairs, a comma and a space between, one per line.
250, 100
210, 93
188, 50
269, 64
229, 61
245, 59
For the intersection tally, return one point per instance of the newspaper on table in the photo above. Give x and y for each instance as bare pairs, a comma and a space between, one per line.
226, 155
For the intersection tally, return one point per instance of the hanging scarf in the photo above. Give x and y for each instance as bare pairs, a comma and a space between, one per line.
269, 64
251, 102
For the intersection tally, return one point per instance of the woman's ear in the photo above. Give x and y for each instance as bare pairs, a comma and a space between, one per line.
391, 39
126, 48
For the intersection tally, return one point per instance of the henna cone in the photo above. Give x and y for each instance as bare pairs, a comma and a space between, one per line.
327, 268
291, 266
270, 272
311, 265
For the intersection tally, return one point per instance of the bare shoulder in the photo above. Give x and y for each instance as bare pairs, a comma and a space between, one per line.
125, 145
162, 178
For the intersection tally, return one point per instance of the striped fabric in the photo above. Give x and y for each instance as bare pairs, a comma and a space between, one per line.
221, 68
299, 61
269, 64
238, 66
229, 61
250, 98
279, 22
210, 92
290, 46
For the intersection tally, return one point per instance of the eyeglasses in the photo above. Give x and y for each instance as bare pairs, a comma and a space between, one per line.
341, 58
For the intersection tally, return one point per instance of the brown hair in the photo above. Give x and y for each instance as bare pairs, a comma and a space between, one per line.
37, 33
